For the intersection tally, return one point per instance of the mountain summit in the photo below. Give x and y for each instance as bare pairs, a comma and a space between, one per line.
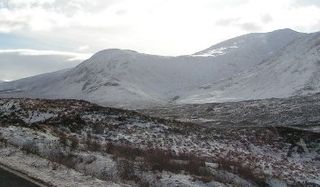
256, 43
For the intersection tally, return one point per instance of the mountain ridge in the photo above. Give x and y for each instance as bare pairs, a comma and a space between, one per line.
126, 78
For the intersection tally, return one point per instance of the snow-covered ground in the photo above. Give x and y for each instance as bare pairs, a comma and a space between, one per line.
90, 137
41, 169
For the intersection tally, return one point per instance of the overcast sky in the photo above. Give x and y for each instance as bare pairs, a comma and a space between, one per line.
164, 27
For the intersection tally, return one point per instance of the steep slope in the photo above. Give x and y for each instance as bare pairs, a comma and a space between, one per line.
127, 78
294, 72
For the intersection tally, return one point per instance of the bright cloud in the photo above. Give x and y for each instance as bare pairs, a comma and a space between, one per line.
167, 27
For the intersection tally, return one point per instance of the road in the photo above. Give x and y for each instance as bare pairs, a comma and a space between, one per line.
8, 179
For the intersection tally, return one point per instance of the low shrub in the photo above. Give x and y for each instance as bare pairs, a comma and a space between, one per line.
92, 144
124, 151
236, 167
126, 169
30, 147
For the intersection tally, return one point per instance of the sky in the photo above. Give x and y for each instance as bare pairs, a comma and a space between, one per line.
75, 29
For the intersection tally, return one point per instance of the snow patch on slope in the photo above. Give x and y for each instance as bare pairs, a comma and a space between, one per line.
217, 51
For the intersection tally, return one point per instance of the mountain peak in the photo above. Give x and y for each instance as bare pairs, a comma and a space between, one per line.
272, 41
115, 52
111, 55
285, 30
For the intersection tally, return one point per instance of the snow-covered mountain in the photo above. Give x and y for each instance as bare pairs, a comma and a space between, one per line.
295, 71
235, 69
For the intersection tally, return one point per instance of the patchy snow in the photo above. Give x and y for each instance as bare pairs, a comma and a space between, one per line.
167, 180
39, 168
20, 135
36, 116
265, 149
217, 51
9, 106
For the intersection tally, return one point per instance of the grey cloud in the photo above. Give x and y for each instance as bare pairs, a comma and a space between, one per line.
11, 25
236, 22
15, 65
67, 8
121, 12
227, 21
266, 18
70, 8
227, 3
250, 27
306, 3
10, 10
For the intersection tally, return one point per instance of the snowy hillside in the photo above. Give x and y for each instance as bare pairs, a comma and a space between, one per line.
258, 45
122, 146
294, 72
126, 78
